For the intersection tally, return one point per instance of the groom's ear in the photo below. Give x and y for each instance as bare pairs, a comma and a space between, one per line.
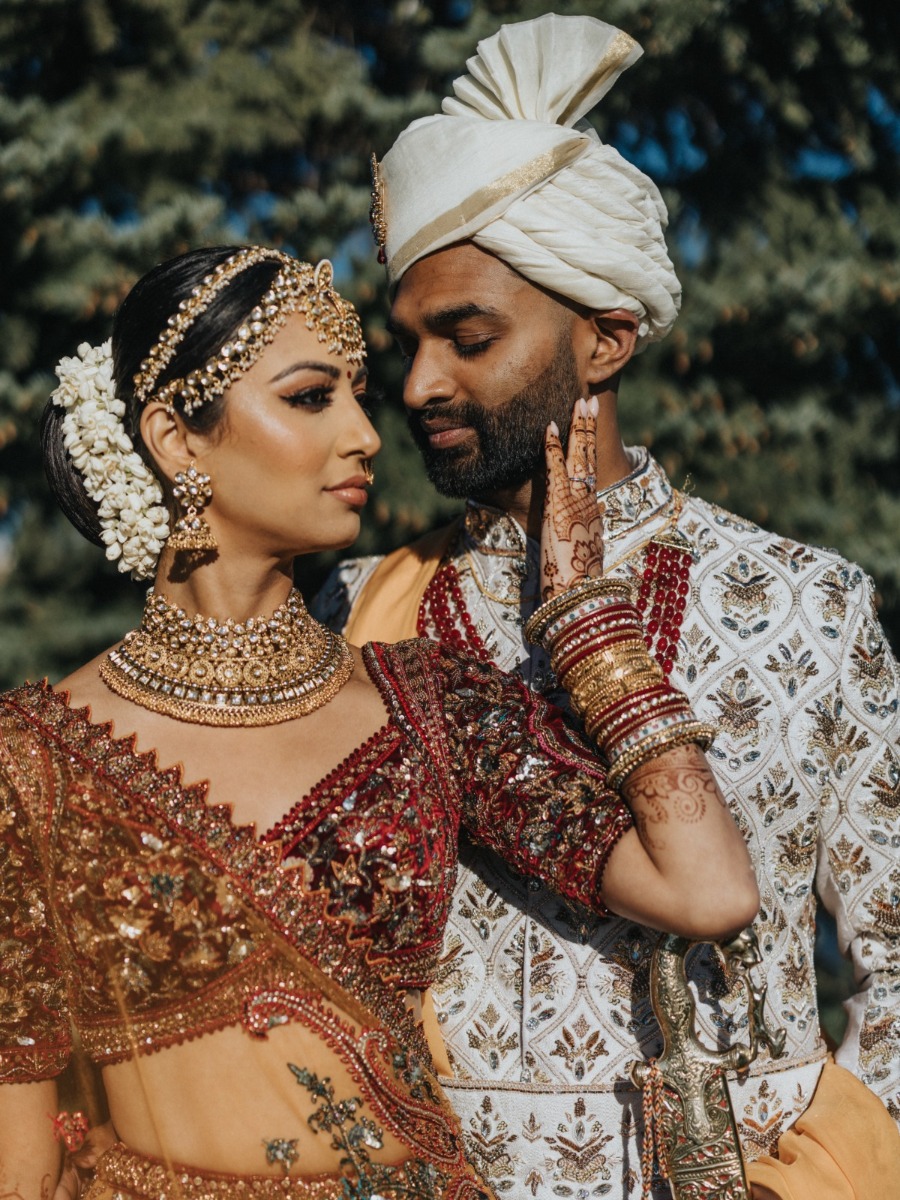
604, 343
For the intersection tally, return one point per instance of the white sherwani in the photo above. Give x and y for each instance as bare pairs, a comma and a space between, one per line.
543, 1014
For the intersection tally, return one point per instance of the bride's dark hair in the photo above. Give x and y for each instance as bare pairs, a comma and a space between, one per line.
138, 323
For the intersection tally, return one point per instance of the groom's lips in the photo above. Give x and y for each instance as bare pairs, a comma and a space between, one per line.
445, 438
446, 433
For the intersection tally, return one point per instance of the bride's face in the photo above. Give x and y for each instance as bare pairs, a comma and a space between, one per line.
287, 464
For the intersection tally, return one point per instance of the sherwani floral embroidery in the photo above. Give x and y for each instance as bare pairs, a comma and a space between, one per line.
542, 1010
142, 914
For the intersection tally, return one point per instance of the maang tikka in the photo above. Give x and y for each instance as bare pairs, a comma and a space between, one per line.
192, 493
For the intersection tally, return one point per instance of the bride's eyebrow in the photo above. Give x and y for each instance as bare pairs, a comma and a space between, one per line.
326, 368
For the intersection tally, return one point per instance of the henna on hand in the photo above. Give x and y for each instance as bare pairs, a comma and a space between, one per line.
572, 533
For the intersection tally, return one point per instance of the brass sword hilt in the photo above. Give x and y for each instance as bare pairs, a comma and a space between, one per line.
695, 1128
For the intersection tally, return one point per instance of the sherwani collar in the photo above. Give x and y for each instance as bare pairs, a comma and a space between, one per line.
635, 501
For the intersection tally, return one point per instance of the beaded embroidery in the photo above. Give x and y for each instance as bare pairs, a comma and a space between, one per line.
140, 1177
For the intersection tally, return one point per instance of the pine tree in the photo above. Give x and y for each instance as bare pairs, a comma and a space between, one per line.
773, 128
133, 129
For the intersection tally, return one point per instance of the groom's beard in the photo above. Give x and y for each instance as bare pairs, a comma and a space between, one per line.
508, 447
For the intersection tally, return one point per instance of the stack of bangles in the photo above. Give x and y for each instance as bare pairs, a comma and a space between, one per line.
595, 639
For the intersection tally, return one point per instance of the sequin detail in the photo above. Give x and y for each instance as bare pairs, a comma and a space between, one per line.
127, 1175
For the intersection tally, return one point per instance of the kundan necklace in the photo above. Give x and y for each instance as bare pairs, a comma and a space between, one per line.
260, 672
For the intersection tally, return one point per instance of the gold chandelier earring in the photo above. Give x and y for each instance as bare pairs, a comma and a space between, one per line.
368, 471
192, 493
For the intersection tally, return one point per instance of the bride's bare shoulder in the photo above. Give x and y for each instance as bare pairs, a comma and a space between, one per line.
84, 685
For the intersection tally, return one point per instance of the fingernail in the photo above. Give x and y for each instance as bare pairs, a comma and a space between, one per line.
554, 428
594, 406
582, 407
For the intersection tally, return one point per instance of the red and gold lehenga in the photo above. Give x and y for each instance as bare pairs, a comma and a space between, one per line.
137, 917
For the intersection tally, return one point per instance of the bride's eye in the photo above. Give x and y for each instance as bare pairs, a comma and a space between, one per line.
314, 397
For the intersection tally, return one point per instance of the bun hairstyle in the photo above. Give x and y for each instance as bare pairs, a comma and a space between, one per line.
138, 324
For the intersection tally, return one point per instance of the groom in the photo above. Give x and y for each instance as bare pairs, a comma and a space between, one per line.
529, 266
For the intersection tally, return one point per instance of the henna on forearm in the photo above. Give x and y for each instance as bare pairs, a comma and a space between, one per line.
648, 817
5, 1182
677, 785
683, 790
46, 1186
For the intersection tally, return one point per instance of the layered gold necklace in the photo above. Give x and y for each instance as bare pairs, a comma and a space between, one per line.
259, 672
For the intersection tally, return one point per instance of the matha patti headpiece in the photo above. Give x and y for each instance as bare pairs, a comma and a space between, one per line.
297, 288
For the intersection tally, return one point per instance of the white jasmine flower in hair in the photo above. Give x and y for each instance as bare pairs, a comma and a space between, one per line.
133, 521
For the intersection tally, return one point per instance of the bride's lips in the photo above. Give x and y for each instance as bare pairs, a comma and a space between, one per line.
352, 491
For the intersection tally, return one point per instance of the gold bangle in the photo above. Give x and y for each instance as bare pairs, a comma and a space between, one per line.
619, 677
589, 701
638, 756
614, 676
619, 684
625, 658
649, 708
626, 650
590, 704
600, 635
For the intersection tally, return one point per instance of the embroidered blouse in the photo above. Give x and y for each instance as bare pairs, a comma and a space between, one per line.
121, 888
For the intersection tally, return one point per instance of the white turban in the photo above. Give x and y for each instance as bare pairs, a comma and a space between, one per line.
506, 167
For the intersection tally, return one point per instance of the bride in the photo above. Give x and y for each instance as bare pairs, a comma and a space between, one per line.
244, 958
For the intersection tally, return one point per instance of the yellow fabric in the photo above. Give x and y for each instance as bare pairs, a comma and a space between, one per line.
844, 1147
433, 1035
387, 607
